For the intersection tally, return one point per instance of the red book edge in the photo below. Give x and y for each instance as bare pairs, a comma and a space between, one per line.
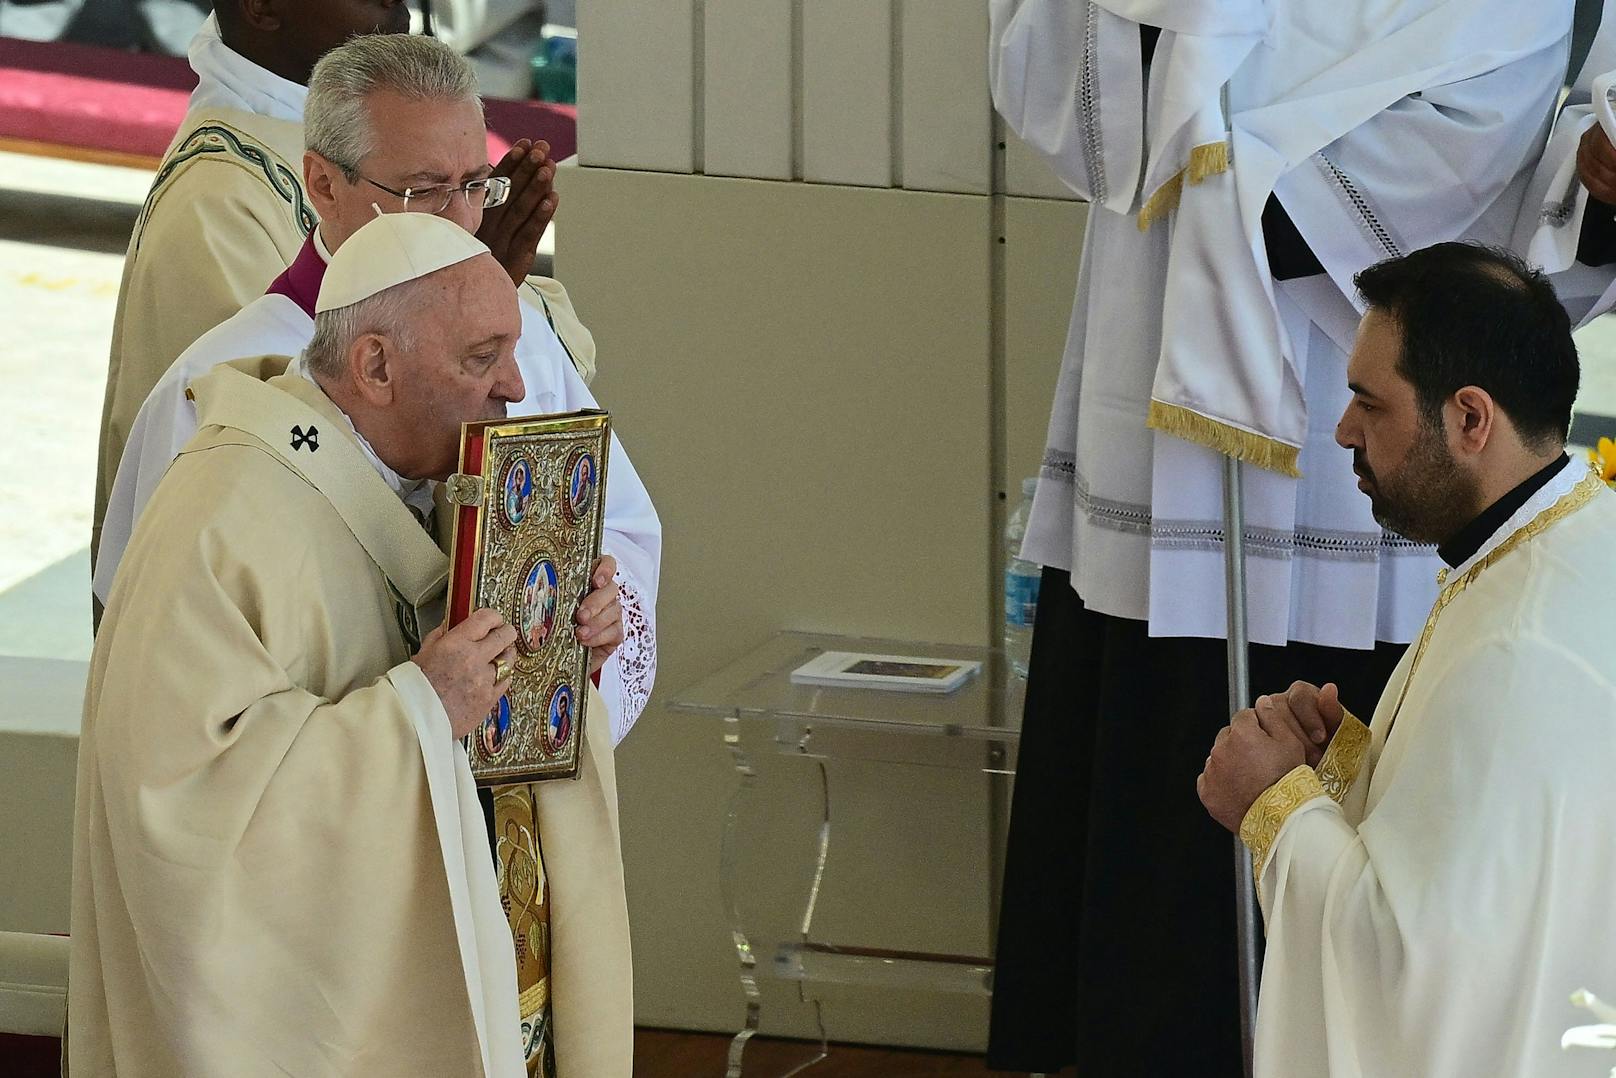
465, 536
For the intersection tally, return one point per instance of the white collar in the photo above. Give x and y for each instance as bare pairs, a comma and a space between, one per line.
1556, 488
416, 493
320, 248
227, 79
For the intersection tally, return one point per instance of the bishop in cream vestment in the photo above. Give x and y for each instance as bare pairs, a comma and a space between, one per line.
280, 866
1440, 884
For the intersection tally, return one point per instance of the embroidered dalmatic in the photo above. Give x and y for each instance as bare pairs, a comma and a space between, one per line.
239, 908
1379, 130
226, 213
1442, 882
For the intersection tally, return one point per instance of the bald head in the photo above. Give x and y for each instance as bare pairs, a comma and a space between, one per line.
288, 37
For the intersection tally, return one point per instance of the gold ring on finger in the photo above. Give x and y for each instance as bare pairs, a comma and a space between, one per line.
502, 671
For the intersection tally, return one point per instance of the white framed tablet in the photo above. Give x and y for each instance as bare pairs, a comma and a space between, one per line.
893, 673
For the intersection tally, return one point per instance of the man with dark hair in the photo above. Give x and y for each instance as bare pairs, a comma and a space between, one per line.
1439, 881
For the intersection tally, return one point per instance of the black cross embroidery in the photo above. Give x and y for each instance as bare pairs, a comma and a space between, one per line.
311, 439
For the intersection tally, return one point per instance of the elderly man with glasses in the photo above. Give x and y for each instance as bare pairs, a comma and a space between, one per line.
394, 126
228, 209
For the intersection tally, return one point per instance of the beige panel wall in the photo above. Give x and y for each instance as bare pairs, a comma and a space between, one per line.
802, 375
1027, 174
637, 84
847, 99
877, 93
748, 92
945, 121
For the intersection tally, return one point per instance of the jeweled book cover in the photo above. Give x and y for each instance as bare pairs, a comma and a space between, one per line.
529, 503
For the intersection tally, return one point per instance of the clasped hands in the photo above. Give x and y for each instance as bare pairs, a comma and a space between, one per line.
1263, 744
463, 663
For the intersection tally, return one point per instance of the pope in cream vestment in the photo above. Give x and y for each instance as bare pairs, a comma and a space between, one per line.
280, 865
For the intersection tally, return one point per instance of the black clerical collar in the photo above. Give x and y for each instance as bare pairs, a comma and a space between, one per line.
1468, 539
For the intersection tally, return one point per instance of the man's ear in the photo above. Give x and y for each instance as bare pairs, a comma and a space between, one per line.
1473, 417
320, 178
370, 365
262, 15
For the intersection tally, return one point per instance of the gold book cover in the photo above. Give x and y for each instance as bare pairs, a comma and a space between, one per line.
529, 504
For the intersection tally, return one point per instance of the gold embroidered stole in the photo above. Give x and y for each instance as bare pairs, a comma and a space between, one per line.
524, 891
1579, 496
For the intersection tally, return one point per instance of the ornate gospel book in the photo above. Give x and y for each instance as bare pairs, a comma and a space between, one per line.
529, 501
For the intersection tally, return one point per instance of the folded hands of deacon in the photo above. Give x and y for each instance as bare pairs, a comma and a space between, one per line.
512, 231
469, 666
1263, 744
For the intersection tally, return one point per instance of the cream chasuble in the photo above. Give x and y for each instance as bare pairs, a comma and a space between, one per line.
240, 904
1440, 885
226, 213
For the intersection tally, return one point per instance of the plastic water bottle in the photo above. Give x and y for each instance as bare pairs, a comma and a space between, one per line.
1020, 585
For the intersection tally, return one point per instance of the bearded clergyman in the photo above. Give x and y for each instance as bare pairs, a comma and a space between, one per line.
1437, 883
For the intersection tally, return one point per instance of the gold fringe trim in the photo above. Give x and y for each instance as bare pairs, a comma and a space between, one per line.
1210, 159
1243, 445
1163, 202
1207, 160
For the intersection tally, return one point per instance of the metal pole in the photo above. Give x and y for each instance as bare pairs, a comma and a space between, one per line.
1245, 887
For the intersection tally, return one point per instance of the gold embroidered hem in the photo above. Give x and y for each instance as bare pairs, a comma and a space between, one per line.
1231, 441
1260, 829
524, 891
1344, 758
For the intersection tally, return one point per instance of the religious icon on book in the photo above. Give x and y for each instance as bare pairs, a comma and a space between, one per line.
580, 484
518, 489
540, 598
497, 727
529, 500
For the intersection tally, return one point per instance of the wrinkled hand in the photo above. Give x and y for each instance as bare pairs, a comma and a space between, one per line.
1250, 755
512, 231
1596, 164
600, 616
460, 664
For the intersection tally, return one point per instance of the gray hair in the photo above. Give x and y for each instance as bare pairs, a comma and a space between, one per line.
336, 122
335, 331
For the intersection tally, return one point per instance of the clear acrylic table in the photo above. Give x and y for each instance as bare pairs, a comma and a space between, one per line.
974, 729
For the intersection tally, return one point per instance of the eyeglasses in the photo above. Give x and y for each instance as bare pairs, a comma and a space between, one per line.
482, 194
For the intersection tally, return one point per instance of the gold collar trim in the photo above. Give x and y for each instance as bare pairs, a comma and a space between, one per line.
1580, 495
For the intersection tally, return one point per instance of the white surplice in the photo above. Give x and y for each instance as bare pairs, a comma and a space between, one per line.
1440, 885
1551, 218
1424, 133
275, 325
